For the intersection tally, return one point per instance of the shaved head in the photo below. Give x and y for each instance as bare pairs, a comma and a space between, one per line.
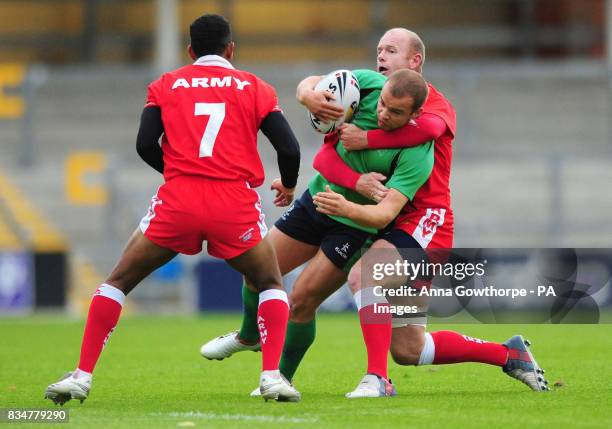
413, 41
400, 48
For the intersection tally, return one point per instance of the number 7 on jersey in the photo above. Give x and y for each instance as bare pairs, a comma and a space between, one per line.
216, 111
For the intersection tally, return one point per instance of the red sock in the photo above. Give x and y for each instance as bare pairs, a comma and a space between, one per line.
272, 318
376, 329
102, 318
452, 347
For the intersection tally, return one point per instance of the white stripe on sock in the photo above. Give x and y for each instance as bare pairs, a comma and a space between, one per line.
111, 292
79, 373
429, 351
365, 297
269, 294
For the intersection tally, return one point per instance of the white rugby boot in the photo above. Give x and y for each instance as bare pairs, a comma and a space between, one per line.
73, 385
272, 385
522, 365
226, 345
373, 386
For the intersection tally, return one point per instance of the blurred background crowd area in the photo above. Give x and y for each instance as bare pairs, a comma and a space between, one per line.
123, 31
530, 80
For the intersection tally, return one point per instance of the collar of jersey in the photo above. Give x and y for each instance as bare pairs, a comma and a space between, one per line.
213, 60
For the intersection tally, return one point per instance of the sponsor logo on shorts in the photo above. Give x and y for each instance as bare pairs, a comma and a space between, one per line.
146, 220
247, 235
431, 223
287, 213
428, 225
342, 251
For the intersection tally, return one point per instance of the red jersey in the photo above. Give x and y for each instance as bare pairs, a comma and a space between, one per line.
435, 193
211, 114
428, 218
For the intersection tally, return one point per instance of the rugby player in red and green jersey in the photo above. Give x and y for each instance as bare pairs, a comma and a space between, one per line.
330, 244
426, 222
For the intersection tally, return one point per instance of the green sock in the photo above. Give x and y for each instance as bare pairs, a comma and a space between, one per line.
250, 302
299, 338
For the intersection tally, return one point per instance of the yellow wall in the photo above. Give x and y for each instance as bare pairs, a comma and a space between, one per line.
34, 18
425, 13
266, 29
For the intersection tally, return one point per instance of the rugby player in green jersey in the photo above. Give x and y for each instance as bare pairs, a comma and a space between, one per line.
329, 244
407, 169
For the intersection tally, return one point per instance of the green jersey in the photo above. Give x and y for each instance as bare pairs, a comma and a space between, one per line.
407, 168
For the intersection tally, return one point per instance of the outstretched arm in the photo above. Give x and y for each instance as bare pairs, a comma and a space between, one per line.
332, 167
425, 128
375, 216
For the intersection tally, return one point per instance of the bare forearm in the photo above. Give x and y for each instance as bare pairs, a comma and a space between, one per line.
380, 215
373, 216
306, 87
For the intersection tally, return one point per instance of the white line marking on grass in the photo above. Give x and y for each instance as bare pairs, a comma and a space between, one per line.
244, 417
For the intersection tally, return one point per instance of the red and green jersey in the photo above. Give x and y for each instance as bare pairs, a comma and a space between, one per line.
406, 168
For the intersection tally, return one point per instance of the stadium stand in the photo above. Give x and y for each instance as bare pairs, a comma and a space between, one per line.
32, 225
527, 120
9, 241
532, 155
64, 31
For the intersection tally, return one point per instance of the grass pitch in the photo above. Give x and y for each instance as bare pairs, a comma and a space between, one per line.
152, 376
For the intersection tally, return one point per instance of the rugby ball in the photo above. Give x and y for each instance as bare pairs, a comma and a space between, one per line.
343, 85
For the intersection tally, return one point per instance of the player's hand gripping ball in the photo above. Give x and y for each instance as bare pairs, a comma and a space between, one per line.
342, 84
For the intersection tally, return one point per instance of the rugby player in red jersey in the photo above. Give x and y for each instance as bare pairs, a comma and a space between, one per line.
425, 222
208, 115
